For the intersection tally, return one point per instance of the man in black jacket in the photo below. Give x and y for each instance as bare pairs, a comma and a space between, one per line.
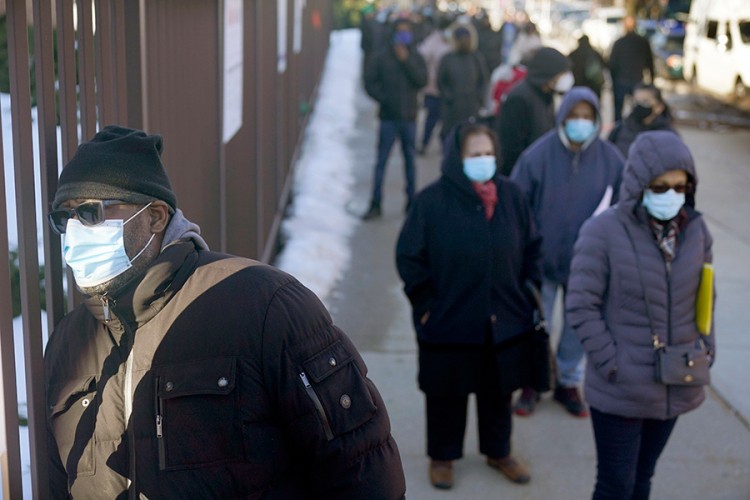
187, 373
631, 56
528, 111
393, 78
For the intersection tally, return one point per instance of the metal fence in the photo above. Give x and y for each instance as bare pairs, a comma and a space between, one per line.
156, 65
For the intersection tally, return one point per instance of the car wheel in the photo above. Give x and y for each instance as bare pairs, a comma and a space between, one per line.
740, 90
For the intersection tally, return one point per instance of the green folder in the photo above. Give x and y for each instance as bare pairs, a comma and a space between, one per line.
704, 302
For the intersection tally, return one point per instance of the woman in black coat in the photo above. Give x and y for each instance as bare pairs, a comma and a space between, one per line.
466, 252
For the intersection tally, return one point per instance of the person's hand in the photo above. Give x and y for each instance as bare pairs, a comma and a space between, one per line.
402, 52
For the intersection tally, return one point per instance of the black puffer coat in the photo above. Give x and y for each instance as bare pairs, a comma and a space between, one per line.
214, 377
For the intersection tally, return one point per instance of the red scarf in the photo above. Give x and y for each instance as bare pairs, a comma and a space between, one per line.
488, 194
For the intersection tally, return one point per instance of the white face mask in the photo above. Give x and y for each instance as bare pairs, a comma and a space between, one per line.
96, 254
564, 83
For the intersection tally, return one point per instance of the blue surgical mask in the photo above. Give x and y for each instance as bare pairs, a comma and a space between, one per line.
403, 37
96, 254
663, 206
480, 168
579, 130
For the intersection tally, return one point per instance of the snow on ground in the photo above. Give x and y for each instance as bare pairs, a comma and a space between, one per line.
318, 226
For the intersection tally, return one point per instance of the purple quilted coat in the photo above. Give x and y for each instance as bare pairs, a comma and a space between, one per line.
605, 301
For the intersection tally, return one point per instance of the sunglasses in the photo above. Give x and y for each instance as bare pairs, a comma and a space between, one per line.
89, 213
663, 188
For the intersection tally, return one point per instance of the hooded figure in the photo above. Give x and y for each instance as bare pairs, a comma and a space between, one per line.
567, 176
528, 110
635, 275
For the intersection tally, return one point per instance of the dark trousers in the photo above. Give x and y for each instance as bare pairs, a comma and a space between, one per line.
620, 90
626, 453
446, 419
432, 105
405, 131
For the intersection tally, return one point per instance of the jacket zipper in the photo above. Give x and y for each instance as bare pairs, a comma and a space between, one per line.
668, 266
318, 406
159, 405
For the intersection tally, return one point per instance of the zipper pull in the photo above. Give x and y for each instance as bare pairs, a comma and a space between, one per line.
105, 306
307, 383
158, 427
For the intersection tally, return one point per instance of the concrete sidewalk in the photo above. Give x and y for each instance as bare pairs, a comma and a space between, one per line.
708, 456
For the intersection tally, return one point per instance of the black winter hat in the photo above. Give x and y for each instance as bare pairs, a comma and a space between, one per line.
545, 64
118, 163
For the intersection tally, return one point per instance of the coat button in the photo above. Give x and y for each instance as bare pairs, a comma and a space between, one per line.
223, 382
85, 402
345, 401
493, 319
332, 361
688, 378
169, 386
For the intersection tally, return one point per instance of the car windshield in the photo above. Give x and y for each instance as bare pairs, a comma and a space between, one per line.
745, 31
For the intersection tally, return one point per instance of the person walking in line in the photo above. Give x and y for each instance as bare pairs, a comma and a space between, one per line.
649, 112
528, 111
631, 56
186, 373
462, 80
588, 66
567, 175
466, 252
633, 284
433, 48
393, 78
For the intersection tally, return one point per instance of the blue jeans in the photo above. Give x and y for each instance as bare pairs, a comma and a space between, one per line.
391, 130
626, 453
569, 349
432, 105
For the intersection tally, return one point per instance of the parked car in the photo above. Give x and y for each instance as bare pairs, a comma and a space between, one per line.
717, 46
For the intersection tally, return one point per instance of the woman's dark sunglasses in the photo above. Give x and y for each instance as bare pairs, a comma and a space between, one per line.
663, 188
90, 213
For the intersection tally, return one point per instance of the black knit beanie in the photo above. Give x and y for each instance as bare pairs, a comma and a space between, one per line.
118, 163
545, 64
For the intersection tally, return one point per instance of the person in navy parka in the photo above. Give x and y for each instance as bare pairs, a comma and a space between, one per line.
567, 174
465, 253
635, 274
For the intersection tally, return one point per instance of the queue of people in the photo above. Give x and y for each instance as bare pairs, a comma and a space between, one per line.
533, 197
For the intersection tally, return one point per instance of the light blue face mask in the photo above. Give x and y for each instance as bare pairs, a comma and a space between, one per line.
480, 168
96, 254
663, 206
579, 130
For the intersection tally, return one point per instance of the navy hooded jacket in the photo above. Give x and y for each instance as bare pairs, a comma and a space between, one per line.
466, 271
565, 187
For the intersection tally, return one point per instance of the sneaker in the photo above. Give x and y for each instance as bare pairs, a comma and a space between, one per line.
373, 212
570, 398
526, 402
510, 468
441, 474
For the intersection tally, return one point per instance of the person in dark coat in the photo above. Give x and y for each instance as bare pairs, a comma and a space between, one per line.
528, 111
462, 80
186, 373
631, 56
567, 175
466, 252
649, 112
393, 78
489, 42
588, 66
633, 285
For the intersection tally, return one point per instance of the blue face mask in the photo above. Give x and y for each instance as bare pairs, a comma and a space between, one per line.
663, 206
403, 37
96, 254
480, 168
579, 130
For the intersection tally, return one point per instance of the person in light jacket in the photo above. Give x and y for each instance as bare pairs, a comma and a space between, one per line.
635, 273
465, 254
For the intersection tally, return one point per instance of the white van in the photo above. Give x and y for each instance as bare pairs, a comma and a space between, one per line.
717, 46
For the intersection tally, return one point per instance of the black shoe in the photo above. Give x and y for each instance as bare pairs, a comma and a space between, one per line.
571, 399
373, 212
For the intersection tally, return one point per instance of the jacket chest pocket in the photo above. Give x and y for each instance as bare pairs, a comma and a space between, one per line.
197, 416
72, 418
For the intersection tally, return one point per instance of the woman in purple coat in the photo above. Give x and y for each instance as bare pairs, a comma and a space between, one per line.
634, 278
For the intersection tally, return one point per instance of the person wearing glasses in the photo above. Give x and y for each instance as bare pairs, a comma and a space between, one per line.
186, 373
635, 274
